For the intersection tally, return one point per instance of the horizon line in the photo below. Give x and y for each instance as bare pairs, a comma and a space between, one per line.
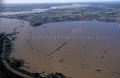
60, 2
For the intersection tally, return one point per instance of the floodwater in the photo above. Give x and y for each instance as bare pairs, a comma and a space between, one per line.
78, 49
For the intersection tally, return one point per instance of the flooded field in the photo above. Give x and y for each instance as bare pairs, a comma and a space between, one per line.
78, 49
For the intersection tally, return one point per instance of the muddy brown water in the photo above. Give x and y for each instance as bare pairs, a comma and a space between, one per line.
76, 49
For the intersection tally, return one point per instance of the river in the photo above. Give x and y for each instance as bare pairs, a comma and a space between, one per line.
24, 12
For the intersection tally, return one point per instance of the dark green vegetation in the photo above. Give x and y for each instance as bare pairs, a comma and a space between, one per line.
108, 12
4, 72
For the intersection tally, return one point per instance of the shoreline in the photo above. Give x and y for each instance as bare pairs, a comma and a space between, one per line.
3, 67
37, 25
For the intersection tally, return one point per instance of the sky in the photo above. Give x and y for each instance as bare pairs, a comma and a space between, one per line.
52, 1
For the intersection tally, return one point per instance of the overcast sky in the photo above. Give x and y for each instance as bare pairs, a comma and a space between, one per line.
52, 1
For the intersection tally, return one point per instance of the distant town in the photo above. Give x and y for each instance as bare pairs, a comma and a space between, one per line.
107, 12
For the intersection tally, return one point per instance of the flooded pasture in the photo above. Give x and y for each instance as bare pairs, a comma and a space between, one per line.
76, 49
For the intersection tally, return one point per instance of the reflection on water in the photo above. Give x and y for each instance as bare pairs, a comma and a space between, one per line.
24, 12
77, 49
